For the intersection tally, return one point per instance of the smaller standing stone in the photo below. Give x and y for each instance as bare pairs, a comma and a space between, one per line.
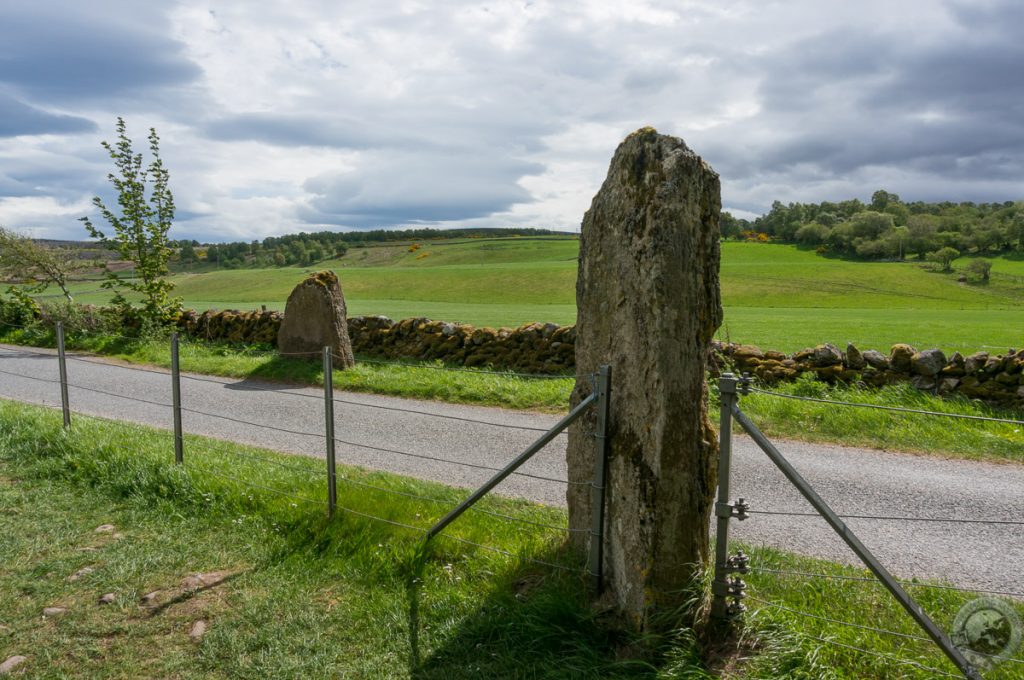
109, 598
314, 318
105, 529
54, 611
11, 663
150, 598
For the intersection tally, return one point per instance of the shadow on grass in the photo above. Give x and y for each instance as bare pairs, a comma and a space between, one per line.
306, 372
536, 622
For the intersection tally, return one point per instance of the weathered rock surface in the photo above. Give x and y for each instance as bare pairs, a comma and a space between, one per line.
900, 357
854, 359
928, 362
108, 598
975, 362
54, 611
197, 631
876, 360
84, 571
314, 318
12, 662
105, 529
648, 304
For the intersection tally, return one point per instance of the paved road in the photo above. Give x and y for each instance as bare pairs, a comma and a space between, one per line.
853, 481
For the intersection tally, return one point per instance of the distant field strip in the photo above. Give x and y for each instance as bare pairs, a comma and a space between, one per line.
776, 296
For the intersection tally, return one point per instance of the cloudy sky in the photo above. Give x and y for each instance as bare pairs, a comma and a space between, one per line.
277, 117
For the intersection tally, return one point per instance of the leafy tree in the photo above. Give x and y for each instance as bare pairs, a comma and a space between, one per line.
187, 253
944, 257
812, 233
870, 224
881, 199
39, 264
140, 227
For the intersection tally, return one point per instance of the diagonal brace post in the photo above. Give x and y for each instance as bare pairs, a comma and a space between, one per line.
865, 555
518, 462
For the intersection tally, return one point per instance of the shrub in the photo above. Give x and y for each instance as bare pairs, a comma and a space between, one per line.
980, 268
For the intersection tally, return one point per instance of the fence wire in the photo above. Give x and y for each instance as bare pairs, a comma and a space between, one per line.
453, 503
887, 657
898, 409
848, 624
911, 518
441, 415
458, 462
864, 579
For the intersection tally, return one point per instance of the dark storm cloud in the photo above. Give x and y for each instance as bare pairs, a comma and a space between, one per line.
19, 118
950, 106
68, 51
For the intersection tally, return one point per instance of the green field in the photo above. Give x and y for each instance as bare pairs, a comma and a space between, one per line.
776, 296
289, 593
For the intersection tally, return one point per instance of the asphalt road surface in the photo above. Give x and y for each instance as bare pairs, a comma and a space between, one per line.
852, 480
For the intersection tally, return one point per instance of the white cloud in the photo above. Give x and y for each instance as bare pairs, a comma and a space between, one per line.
313, 114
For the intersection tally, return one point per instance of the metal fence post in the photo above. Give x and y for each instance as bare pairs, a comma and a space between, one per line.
179, 441
65, 403
720, 587
332, 479
597, 493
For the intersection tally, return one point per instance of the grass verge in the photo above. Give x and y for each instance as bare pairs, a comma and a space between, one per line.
909, 432
301, 595
288, 593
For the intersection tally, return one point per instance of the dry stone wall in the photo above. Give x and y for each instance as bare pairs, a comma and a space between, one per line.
550, 348
531, 348
997, 378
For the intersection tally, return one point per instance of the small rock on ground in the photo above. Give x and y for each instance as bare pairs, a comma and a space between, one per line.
105, 529
206, 580
12, 663
80, 573
109, 598
150, 598
54, 611
198, 630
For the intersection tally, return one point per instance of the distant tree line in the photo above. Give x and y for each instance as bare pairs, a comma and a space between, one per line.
889, 229
306, 249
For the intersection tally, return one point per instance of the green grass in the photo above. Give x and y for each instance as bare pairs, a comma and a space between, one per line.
308, 597
914, 433
350, 597
777, 296
787, 645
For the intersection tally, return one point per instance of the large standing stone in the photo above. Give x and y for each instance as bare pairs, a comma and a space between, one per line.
649, 304
314, 318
